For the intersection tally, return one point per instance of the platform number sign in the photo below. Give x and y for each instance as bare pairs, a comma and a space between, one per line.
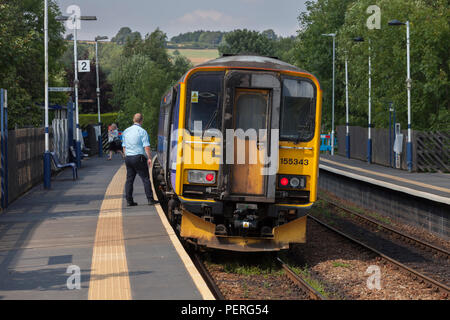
84, 66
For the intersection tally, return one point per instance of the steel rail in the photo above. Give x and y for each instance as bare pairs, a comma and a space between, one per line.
435, 284
440, 252
207, 277
313, 293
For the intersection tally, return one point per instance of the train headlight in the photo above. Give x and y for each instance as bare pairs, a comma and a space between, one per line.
201, 176
294, 182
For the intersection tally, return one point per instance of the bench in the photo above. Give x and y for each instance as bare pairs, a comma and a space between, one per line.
60, 166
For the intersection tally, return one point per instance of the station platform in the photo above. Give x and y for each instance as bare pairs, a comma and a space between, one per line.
430, 186
80, 241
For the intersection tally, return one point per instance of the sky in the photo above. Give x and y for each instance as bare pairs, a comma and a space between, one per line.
180, 16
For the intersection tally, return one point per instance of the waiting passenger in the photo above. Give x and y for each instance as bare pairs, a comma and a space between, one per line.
115, 145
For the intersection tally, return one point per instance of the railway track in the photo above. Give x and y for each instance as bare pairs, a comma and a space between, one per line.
413, 273
207, 277
313, 293
372, 223
310, 292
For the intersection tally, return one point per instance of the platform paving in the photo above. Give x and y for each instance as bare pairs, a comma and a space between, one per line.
46, 231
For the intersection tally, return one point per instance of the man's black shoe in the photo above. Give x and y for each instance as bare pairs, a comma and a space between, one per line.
131, 204
152, 202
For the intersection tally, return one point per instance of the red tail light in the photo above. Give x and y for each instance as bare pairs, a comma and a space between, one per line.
209, 177
284, 181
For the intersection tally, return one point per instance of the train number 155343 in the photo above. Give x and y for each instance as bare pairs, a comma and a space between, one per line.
295, 162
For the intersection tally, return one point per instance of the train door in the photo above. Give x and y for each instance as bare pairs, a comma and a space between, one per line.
251, 109
250, 113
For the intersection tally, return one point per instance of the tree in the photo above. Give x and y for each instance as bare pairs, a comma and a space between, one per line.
247, 42
285, 49
314, 52
270, 34
88, 89
22, 58
141, 77
430, 31
125, 34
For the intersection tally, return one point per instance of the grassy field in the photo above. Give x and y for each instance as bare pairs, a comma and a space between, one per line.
197, 56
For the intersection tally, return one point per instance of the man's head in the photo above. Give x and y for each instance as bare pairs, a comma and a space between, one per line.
138, 118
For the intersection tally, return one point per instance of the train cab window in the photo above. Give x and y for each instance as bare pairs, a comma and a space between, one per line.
251, 111
204, 101
298, 110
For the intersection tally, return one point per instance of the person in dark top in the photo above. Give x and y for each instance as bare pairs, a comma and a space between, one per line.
115, 145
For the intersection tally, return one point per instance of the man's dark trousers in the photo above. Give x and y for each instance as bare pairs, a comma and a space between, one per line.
137, 164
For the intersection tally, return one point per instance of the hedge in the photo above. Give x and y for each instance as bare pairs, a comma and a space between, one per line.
107, 118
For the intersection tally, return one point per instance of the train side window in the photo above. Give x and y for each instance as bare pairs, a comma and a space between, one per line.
204, 100
298, 112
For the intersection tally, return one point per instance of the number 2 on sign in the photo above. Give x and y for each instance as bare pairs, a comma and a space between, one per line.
84, 66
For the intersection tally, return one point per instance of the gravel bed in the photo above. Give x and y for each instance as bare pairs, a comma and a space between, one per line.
413, 231
341, 268
411, 256
262, 285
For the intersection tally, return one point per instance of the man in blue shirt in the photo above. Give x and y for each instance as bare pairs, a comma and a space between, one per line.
136, 146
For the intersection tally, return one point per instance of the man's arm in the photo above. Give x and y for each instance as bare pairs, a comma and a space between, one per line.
123, 142
146, 144
149, 156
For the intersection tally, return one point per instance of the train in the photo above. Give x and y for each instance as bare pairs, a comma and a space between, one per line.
236, 165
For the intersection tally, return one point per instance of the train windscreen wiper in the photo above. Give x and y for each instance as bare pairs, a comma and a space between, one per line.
213, 116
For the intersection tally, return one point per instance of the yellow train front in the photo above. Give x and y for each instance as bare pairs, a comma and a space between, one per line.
238, 151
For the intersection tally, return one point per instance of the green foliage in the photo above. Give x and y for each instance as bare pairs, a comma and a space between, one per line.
125, 34
141, 77
314, 52
22, 58
87, 89
198, 39
247, 42
107, 119
430, 66
270, 34
429, 32
285, 49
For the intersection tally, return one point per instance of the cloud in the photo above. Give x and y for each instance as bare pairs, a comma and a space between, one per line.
207, 19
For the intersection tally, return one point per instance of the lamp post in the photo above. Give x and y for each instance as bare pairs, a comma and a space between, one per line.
333, 35
391, 110
100, 142
347, 124
369, 132
76, 81
408, 88
47, 155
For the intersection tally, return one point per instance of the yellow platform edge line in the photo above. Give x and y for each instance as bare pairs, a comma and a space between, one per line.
109, 269
187, 261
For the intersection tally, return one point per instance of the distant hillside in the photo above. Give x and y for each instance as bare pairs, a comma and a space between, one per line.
196, 56
197, 40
